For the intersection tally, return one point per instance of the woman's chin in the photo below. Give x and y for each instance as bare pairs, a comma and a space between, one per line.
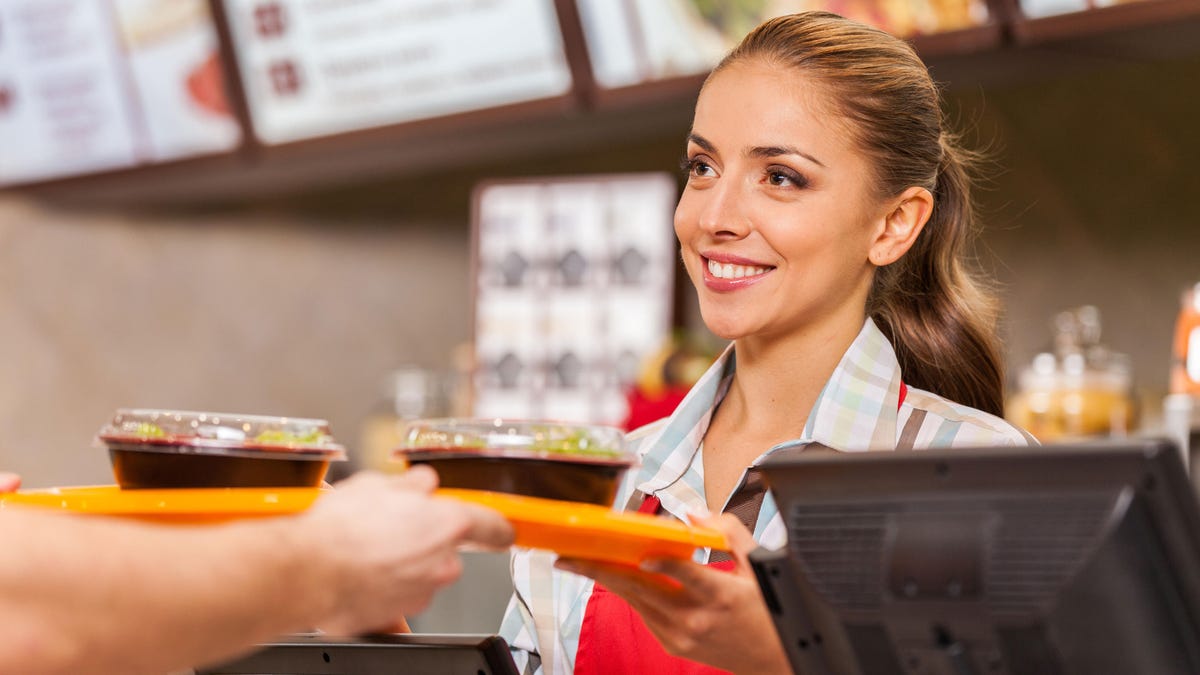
725, 329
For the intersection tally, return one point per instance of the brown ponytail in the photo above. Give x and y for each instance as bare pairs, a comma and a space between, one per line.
939, 318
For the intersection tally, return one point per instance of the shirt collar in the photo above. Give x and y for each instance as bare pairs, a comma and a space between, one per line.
856, 410
859, 407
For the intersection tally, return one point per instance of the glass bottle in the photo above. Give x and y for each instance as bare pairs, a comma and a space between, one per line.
1185, 366
409, 393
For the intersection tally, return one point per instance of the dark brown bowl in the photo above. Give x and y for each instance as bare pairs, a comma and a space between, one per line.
137, 468
576, 481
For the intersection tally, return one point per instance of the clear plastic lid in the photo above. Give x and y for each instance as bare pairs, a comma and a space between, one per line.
199, 431
529, 439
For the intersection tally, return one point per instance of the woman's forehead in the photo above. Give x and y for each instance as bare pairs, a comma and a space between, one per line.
756, 102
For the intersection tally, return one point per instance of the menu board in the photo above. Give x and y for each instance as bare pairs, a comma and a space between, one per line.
314, 68
93, 85
640, 41
1036, 9
573, 289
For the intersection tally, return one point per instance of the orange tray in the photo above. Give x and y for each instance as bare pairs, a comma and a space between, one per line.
178, 505
571, 529
594, 532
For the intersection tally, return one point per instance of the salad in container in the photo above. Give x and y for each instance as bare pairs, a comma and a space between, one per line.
152, 449
549, 460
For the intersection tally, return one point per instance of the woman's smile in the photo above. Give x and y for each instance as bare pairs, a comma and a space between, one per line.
723, 272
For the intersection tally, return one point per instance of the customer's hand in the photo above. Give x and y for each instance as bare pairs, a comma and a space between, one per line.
697, 612
389, 545
9, 482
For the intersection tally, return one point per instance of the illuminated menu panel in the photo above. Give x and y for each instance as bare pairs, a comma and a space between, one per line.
94, 85
314, 68
1036, 9
573, 291
172, 55
638, 41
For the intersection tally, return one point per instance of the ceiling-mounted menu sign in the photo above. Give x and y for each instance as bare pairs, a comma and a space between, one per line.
93, 85
637, 41
320, 67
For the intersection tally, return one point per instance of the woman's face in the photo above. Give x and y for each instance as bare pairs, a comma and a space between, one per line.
777, 218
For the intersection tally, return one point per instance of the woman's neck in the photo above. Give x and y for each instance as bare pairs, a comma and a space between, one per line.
776, 384
777, 381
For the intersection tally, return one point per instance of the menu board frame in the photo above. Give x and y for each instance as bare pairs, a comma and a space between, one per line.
1028, 31
990, 47
572, 101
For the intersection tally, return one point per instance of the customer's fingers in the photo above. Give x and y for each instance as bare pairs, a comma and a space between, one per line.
487, 527
9, 482
418, 478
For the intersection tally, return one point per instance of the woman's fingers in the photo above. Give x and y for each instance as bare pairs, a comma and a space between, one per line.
741, 541
620, 575
654, 597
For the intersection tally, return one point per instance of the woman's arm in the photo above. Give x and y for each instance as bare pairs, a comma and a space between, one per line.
82, 595
699, 613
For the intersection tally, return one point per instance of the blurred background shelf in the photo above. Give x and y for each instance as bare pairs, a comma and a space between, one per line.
1118, 18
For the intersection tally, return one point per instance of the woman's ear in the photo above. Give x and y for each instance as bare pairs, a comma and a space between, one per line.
901, 226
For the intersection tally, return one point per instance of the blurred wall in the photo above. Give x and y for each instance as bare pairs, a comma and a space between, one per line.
1091, 201
238, 310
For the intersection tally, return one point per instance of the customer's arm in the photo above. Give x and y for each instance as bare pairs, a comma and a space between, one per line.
80, 595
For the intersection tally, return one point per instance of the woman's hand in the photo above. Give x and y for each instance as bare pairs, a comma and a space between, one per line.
9, 482
696, 612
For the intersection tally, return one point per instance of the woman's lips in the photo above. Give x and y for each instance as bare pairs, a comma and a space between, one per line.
729, 273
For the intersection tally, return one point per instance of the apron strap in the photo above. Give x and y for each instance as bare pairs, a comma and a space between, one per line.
745, 503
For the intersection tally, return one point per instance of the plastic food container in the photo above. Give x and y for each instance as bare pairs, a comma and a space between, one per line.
578, 463
177, 449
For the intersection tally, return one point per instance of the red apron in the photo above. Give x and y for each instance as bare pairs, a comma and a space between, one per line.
614, 640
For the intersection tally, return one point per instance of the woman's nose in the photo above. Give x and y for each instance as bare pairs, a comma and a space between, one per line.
723, 213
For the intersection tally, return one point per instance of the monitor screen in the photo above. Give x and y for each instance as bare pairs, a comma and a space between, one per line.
1057, 559
375, 655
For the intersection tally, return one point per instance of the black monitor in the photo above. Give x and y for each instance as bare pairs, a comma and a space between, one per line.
1055, 559
410, 654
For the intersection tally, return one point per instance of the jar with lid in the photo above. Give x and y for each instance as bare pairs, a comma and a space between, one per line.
1081, 389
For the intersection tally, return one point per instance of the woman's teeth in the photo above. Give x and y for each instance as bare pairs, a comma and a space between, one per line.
728, 271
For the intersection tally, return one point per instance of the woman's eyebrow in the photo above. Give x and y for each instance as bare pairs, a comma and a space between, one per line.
703, 142
763, 151
766, 151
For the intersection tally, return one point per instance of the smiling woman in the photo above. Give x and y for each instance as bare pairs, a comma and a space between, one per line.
824, 225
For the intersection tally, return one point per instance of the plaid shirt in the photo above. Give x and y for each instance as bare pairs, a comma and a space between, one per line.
859, 409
